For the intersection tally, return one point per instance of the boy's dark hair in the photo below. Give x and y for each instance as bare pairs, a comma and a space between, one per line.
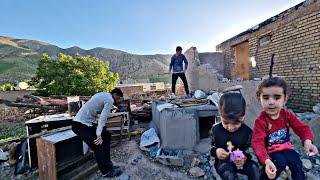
273, 81
117, 91
178, 48
232, 106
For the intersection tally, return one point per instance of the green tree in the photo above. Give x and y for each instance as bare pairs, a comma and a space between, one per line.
79, 75
6, 87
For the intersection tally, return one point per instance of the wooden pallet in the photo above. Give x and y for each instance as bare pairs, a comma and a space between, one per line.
118, 124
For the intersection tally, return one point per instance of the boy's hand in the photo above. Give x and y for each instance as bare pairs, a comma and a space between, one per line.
221, 154
309, 148
270, 169
240, 162
98, 141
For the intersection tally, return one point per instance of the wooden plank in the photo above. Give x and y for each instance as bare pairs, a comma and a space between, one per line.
35, 135
59, 136
46, 160
113, 124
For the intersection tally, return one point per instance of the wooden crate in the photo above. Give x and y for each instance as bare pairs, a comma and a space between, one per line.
43, 124
118, 124
57, 152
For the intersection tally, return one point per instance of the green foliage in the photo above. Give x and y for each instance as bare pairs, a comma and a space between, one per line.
79, 75
11, 132
6, 87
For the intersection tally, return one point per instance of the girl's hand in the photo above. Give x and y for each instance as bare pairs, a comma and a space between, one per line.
270, 169
309, 148
221, 154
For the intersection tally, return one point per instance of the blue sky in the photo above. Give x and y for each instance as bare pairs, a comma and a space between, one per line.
135, 26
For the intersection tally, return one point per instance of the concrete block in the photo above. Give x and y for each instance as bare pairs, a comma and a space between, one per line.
4, 156
178, 129
171, 157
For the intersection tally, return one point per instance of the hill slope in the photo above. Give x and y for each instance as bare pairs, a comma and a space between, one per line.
19, 58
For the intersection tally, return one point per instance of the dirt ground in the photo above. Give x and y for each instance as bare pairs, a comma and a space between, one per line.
145, 168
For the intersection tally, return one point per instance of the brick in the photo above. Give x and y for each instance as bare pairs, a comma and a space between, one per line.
297, 50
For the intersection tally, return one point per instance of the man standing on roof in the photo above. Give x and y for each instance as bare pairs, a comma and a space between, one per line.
176, 66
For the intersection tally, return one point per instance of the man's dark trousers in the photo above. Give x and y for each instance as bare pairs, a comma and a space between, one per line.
184, 80
102, 152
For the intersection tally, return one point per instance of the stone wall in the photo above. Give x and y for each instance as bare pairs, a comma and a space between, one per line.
294, 39
215, 59
200, 76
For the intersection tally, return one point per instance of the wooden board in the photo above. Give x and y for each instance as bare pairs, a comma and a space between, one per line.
46, 160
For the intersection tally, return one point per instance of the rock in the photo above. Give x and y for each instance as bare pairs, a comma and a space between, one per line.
124, 177
284, 175
225, 80
311, 176
195, 162
241, 177
211, 163
316, 108
196, 171
187, 152
23, 85
307, 116
306, 164
198, 94
318, 161
139, 156
5, 164
4, 156
280, 178
134, 161
171, 157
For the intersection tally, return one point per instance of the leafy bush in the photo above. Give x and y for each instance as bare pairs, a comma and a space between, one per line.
79, 75
6, 87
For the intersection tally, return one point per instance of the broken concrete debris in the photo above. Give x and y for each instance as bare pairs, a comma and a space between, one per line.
170, 157
306, 163
124, 177
307, 116
4, 155
316, 108
196, 171
195, 162
198, 94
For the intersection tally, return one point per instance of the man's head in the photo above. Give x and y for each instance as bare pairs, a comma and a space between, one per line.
178, 50
116, 94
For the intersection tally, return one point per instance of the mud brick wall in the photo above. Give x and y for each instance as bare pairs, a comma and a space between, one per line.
295, 41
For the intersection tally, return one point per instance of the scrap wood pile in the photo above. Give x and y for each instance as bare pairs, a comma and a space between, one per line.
141, 111
38, 105
140, 104
32, 101
189, 102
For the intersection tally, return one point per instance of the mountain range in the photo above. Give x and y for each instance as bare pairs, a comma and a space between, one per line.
19, 59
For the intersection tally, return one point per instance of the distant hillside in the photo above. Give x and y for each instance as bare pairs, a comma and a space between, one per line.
19, 58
